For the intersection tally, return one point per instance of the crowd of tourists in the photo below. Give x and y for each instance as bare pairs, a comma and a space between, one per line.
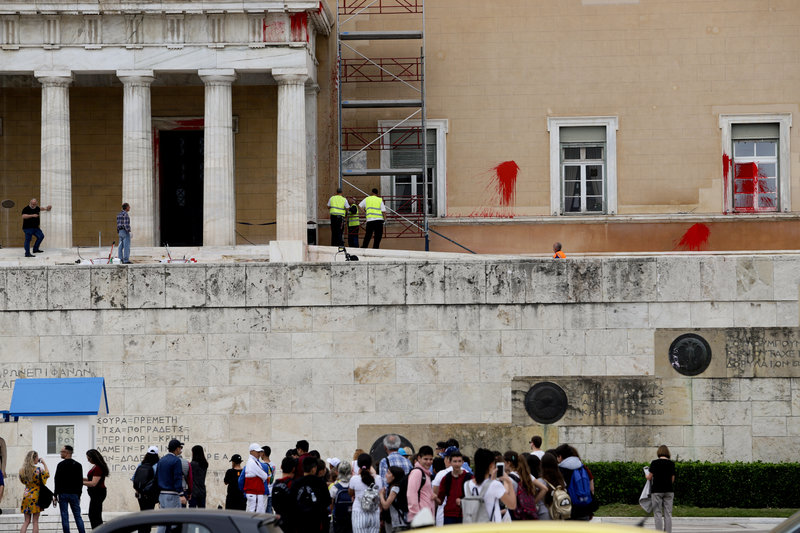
434, 485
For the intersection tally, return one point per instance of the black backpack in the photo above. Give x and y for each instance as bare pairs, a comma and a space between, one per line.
401, 501
342, 511
306, 501
282, 498
144, 480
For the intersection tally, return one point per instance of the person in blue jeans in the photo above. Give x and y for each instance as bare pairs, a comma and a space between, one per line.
124, 230
68, 489
30, 226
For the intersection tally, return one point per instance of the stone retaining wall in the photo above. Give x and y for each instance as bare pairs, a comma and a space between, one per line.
338, 353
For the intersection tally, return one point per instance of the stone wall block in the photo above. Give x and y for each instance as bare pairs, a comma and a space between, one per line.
185, 286
743, 437
308, 284
291, 372
386, 284
438, 343
505, 282
22, 284
291, 319
335, 426
754, 314
425, 283
653, 436
109, 287
459, 317
678, 279
209, 373
229, 346
606, 341
702, 436
585, 280
349, 282
315, 345
354, 398
162, 321
524, 342
129, 373
290, 427
627, 315
495, 369
612, 435
775, 449
670, 315
460, 369
415, 317
754, 279
721, 413
718, 277
376, 370
249, 372
551, 365
144, 347
118, 321
398, 343
78, 322
540, 316
55, 349
629, 280
147, 286
575, 434
499, 317
564, 342
266, 285
786, 279
772, 409
585, 365
716, 390
769, 426
102, 348
766, 389
711, 314
146, 399
465, 283
183, 400
185, 347
625, 365
405, 394
333, 372
233, 399
546, 281
420, 369
793, 426
787, 314
226, 286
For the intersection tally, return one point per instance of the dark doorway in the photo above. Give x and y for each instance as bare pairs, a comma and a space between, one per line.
181, 194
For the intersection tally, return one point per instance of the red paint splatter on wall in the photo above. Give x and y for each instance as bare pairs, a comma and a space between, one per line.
695, 238
299, 26
505, 180
726, 169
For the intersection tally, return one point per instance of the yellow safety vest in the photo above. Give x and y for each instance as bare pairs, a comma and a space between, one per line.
353, 218
337, 205
373, 208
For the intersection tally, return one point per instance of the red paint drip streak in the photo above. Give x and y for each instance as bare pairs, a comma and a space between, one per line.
299, 26
506, 182
695, 238
726, 168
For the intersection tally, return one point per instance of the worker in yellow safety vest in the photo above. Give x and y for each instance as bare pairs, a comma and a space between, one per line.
353, 224
337, 206
374, 207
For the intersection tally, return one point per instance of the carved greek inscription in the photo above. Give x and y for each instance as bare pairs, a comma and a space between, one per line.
9, 374
773, 352
123, 440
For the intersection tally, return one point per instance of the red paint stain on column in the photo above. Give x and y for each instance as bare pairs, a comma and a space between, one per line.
695, 238
726, 169
299, 26
505, 179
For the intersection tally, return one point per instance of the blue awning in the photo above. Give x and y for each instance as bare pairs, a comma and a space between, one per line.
59, 397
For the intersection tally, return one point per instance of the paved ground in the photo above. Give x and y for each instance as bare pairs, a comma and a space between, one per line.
705, 525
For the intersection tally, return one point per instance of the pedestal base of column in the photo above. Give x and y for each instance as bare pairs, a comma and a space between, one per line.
287, 251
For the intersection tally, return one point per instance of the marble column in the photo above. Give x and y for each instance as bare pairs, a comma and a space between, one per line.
291, 187
56, 165
312, 163
219, 193
138, 183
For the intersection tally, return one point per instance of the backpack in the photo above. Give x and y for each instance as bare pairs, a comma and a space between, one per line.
579, 488
473, 508
342, 511
144, 480
401, 501
370, 499
306, 501
561, 508
241, 479
282, 498
447, 481
526, 505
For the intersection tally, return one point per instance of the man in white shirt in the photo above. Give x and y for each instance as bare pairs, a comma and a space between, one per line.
254, 478
536, 443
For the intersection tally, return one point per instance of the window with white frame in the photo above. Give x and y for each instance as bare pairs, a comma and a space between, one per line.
583, 168
756, 163
402, 149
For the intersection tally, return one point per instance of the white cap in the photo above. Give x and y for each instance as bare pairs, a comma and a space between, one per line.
152, 449
333, 461
255, 447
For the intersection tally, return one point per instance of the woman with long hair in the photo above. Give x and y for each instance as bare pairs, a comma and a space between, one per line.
394, 478
33, 475
96, 486
199, 466
500, 489
531, 487
552, 476
662, 492
364, 478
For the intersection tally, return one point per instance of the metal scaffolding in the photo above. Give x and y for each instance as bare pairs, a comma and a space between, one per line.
407, 215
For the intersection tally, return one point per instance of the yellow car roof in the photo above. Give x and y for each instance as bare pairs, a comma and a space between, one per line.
536, 526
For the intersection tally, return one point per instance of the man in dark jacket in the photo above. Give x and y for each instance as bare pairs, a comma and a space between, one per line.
311, 498
170, 477
68, 488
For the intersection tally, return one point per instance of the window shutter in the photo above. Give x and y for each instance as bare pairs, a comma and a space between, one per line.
411, 158
769, 130
583, 134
